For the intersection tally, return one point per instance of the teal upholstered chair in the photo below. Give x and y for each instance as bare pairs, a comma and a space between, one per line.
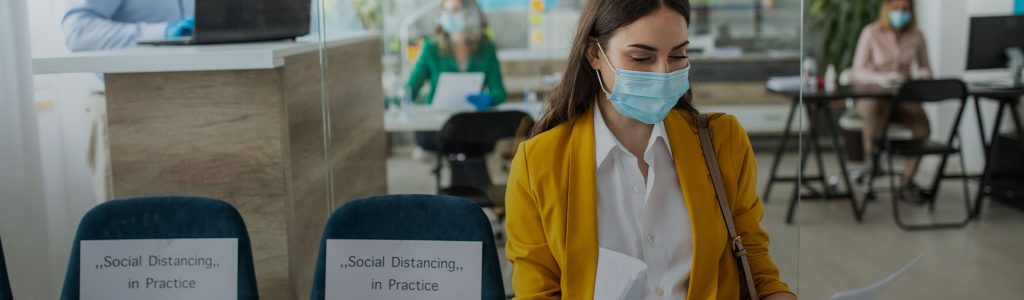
169, 217
414, 217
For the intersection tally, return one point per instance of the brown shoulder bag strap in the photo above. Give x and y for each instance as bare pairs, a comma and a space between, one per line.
704, 131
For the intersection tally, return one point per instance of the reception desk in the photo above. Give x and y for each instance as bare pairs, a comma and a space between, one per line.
245, 123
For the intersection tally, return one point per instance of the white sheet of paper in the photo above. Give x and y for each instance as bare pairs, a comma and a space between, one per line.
157, 269
875, 290
394, 269
454, 87
619, 276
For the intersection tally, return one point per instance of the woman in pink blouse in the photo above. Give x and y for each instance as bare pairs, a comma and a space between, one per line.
887, 52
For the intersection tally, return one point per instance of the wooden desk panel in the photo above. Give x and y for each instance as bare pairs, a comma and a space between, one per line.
255, 138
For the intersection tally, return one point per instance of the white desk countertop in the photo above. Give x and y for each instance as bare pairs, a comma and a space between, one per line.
145, 58
425, 118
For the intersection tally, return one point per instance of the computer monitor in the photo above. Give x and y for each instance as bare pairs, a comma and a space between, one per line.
989, 39
228, 21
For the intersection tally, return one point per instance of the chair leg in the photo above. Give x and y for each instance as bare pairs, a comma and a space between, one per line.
967, 193
437, 173
937, 183
939, 225
895, 192
869, 181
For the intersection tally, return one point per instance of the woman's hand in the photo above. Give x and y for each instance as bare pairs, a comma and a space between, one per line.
781, 296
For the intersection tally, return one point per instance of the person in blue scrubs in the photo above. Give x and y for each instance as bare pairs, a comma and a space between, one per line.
111, 24
91, 25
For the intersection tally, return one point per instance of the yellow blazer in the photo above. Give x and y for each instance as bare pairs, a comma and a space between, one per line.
551, 205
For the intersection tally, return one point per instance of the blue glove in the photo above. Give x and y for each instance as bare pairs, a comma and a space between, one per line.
482, 101
182, 27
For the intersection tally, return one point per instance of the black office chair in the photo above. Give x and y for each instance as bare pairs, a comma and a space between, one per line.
923, 91
464, 141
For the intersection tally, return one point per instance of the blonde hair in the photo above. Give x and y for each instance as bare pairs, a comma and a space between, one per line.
475, 37
883, 17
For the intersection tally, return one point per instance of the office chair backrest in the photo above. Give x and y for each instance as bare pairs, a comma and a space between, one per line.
5, 283
475, 133
164, 218
932, 90
413, 217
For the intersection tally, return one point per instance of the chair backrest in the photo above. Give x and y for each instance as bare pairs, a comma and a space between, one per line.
5, 283
932, 90
165, 217
413, 217
475, 133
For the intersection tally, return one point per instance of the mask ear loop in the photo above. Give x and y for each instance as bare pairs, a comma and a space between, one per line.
599, 78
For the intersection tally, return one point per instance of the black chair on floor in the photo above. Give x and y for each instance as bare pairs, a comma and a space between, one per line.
464, 142
923, 91
5, 284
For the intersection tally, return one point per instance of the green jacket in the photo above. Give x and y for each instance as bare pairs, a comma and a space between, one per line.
432, 63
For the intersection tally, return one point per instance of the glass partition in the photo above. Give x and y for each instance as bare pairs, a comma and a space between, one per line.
737, 49
288, 110
932, 218
187, 98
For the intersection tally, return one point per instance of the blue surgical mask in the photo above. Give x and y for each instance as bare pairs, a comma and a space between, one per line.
899, 19
452, 22
645, 96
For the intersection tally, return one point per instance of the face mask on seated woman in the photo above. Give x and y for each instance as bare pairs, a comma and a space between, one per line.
899, 19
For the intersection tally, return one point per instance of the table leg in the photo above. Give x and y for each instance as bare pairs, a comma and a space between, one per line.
816, 147
790, 214
981, 126
779, 152
833, 129
986, 174
1019, 127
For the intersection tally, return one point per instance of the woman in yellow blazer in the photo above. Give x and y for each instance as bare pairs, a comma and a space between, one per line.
627, 81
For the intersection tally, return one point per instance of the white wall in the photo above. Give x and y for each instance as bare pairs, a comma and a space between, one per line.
944, 24
23, 209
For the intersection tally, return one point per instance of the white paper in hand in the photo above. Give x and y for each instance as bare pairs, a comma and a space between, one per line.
619, 276
875, 290
453, 88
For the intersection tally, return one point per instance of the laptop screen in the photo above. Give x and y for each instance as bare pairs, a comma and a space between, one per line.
223, 21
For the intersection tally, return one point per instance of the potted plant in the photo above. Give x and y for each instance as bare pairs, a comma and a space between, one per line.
840, 23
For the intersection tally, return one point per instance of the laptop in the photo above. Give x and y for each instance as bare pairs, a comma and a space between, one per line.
235, 21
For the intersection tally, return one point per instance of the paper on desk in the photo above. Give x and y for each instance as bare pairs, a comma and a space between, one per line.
619, 276
874, 291
785, 83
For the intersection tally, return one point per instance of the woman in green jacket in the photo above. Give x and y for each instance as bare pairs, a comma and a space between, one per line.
460, 44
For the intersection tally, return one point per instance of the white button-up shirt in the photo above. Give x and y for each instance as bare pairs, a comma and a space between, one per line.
646, 220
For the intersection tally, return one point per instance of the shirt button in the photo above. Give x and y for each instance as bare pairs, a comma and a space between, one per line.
659, 292
650, 239
636, 189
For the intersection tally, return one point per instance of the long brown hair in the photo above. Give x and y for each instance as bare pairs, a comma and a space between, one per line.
579, 87
883, 17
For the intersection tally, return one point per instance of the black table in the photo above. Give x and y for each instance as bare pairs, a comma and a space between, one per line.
1009, 102
816, 104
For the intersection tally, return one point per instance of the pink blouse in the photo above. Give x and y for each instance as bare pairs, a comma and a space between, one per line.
880, 52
